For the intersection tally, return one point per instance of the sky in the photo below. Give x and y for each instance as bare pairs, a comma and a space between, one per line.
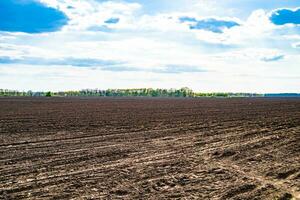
206, 45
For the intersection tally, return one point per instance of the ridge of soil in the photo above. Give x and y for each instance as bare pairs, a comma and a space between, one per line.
149, 148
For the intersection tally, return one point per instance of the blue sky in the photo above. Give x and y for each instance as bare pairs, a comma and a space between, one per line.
29, 16
207, 45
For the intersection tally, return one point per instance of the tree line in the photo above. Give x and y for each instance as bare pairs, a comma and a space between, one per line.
141, 92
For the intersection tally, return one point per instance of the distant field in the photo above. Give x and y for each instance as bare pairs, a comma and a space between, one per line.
149, 148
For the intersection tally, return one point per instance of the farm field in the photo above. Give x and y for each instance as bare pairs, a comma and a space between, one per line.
149, 148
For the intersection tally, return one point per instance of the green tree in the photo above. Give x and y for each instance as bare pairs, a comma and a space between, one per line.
48, 94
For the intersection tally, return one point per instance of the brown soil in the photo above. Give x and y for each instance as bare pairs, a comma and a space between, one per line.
145, 148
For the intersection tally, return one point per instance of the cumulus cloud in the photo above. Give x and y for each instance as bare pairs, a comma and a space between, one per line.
77, 62
92, 13
118, 44
296, 45
112, 21
273, 58
252, 55
209, 24
105, 65
256, 27
260, 27
177, 69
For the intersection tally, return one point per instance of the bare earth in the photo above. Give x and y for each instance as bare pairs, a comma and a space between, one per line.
145, 148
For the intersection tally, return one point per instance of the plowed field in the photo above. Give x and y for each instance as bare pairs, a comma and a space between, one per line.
149, 148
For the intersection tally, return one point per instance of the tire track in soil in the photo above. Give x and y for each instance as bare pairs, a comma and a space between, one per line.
277, 184
158, 153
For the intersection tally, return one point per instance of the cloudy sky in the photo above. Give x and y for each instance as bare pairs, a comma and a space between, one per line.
207, 45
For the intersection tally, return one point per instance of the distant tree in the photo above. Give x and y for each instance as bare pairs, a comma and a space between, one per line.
147, 92
48, 94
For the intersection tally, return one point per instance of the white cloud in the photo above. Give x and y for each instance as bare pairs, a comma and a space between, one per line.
296, 45
256, 27
249, 54
57, 78
233, 60
89, 13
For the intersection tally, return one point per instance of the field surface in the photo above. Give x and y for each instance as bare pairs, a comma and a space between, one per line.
146, 148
